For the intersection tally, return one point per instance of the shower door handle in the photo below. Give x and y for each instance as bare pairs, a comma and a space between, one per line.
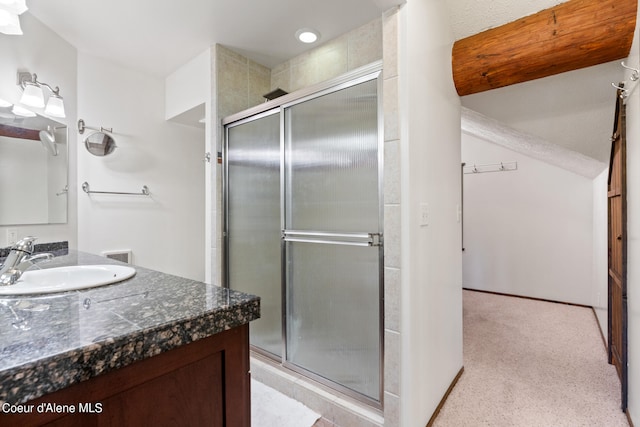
350, 239
376, 239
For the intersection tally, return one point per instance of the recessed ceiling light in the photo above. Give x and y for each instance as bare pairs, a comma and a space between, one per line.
307, 35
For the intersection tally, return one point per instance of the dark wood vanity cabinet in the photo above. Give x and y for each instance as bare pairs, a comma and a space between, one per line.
204, 383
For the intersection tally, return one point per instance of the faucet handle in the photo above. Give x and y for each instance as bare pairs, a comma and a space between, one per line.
10, 277
25, 245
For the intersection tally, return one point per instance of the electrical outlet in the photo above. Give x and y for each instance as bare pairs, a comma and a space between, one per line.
12, 236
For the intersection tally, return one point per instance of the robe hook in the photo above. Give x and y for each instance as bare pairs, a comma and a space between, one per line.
623, 92
635, 75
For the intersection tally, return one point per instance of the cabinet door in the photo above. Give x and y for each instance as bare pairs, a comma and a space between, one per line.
206, 382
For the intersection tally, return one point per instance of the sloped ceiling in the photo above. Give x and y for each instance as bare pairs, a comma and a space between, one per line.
495, 131
574, 110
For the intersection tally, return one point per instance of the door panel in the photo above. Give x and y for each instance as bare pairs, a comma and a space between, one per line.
617, 237
331, 152
253, 223
333, 256
333, 315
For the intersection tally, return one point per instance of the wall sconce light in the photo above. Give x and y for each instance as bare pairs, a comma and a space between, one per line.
21, 111
9, 11
33, 95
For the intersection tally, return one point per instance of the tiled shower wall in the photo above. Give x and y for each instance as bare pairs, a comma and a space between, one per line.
239, 84
391, 220
359, 47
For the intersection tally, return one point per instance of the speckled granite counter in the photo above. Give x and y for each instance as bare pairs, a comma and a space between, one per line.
49, 342
59, 248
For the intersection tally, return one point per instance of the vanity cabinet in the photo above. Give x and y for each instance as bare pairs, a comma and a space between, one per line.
203, 383
152, 350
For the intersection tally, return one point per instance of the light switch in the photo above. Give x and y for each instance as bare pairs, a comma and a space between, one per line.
424, 214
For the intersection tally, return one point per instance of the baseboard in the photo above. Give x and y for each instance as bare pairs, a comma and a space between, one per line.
604, 340
530, 298
444, 398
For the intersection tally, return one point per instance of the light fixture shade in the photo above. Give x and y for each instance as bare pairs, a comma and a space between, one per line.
21, 111
17, 7
55, 106
32, 96
9, 23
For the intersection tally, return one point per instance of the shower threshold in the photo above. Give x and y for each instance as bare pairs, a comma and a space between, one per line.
332, 404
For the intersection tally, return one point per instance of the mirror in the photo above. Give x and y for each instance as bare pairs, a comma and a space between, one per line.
33, 170
100, 144
48, 140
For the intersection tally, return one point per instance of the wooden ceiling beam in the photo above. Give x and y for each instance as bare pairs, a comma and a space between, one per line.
566, 37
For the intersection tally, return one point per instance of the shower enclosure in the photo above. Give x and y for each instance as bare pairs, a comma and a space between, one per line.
303, 230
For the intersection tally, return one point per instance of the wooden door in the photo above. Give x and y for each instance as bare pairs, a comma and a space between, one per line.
617, 237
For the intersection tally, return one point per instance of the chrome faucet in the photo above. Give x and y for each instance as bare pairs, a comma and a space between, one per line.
19, 259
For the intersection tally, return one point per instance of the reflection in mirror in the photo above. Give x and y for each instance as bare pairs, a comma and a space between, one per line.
100, 144
33, 170
48, 140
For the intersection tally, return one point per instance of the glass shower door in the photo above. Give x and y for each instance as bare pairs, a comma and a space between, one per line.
252, 200
332, 238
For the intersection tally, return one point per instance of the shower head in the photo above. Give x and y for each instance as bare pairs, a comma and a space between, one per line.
48, 140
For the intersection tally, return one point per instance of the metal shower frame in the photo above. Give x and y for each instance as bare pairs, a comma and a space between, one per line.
369, 72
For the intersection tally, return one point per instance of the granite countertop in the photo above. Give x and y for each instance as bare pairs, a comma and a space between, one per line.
48, 342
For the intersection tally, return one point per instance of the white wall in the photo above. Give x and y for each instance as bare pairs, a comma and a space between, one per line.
188, 98
633, 235
188, 86
43, 52
527, 232
600, 279
164, 231
431, 279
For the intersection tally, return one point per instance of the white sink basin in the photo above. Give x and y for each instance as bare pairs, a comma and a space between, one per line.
61, 279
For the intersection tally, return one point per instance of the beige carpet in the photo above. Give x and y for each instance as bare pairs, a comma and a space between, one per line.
531, 363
